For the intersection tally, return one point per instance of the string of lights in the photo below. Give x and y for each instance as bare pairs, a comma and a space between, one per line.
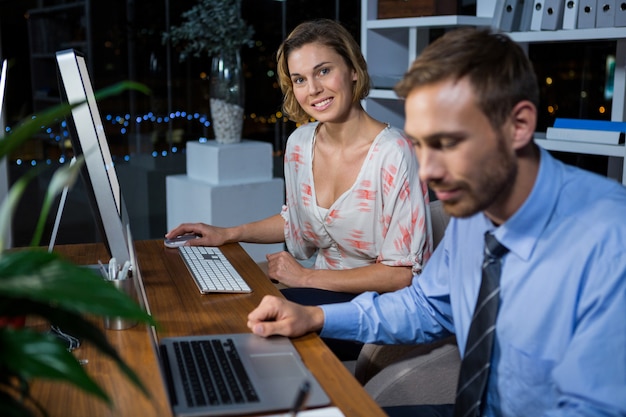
60, 134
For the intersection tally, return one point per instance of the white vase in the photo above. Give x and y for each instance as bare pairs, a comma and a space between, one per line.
227, 97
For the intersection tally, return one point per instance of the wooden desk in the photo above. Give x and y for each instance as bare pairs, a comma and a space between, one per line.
181, 310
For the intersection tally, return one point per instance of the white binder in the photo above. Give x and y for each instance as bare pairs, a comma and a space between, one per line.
586, 14
527, 15
605, 13
620, 14
570, 14
552, 15
498, 11
511, 15
584, 135
535, 21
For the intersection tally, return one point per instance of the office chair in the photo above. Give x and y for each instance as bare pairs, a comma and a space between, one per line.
412, 374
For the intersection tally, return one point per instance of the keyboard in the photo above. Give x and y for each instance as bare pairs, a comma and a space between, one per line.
212, 271
213, 373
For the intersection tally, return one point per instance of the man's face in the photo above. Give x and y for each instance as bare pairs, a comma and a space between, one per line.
469, 165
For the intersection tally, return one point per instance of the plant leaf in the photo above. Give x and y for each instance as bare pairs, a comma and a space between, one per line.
210, 27
63, 177
38, 275
32, 354
75, 325
37, 282
11, 201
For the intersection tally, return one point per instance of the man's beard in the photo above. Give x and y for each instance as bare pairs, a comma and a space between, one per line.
494, 183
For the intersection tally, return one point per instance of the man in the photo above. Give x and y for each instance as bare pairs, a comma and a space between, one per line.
560, 335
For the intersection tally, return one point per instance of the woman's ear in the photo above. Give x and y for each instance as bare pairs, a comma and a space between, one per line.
524, 118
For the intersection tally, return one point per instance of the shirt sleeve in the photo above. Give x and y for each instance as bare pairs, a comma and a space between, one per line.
406, 238
414, 314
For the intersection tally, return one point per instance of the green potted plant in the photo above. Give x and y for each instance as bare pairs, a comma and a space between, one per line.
209, 28
35, 283
214, 28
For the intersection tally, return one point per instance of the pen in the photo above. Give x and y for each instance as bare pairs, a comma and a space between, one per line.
301, 397
103, 270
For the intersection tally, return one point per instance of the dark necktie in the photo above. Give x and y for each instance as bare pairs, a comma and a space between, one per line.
477, 359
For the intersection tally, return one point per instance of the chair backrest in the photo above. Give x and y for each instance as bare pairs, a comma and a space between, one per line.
412, 374
439, 220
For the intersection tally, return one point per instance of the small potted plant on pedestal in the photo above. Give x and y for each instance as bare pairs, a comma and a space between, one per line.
215, 28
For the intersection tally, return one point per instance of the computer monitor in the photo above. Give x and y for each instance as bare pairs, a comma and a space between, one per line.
4, 177
89, 140
3, 83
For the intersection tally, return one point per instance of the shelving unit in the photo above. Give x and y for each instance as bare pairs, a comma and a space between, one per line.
390, 45
53, 26
616, 153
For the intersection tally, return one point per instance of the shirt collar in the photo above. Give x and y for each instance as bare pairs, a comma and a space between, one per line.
521, 232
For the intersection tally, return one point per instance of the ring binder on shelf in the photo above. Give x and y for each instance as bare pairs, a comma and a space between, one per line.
552, 15
587, 14
527, 15
511, 15
605, 14
537, 14
620, 14
570, 14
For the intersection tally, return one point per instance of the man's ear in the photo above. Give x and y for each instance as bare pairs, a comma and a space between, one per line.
524, 118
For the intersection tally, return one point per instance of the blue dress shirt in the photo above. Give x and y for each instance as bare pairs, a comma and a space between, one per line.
560, 347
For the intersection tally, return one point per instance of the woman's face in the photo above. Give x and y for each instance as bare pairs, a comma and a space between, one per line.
322, 82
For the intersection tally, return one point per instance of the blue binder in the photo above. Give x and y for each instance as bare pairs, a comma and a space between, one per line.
590, 124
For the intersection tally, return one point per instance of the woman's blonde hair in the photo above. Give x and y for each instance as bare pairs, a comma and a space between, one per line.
328, 33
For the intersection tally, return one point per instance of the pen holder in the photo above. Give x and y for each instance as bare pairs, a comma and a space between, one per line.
119, 323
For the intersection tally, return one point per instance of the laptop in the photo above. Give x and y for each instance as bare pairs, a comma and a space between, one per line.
229, 374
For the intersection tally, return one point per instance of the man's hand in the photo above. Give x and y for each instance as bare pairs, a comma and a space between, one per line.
277, 316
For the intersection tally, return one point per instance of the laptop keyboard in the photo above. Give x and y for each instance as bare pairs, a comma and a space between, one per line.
213, 373
212, 270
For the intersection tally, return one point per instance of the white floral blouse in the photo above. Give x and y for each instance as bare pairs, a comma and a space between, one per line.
383, 217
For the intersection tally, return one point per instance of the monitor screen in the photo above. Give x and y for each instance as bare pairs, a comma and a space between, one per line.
89, 139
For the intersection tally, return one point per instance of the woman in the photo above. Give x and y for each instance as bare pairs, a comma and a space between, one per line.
353, 196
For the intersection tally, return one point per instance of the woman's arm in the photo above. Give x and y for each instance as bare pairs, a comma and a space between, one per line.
376, 277
269, 230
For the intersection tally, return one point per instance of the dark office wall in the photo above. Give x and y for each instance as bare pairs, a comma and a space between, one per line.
126, 44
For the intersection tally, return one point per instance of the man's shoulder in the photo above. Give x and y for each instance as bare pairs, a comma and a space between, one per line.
591, 208
584, 191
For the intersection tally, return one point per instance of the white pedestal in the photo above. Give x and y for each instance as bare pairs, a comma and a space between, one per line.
229, 163
226, 185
